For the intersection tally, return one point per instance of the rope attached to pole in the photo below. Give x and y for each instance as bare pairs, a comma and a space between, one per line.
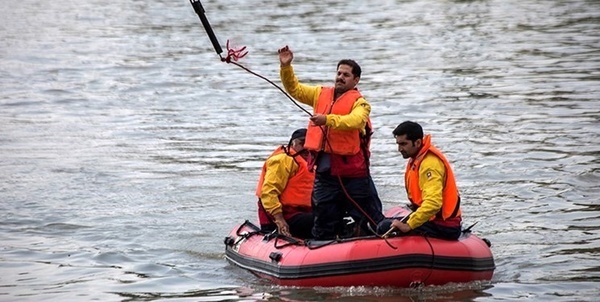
233, 55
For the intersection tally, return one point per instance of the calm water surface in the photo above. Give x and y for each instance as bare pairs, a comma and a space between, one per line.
128, 150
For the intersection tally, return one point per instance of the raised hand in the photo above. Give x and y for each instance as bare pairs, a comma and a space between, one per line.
285, 56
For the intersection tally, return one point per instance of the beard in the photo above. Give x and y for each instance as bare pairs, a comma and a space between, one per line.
340, 90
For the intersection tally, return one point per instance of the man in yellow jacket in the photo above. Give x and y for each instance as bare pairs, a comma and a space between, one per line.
284, 190
430, 185
338, 138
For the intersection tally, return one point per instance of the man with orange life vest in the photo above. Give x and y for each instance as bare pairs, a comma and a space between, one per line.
284, 190
430, 185
338, 138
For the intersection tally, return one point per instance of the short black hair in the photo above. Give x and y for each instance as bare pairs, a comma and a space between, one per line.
356, 70
412, 130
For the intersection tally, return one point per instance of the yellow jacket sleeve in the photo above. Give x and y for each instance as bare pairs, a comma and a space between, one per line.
279, 170
432, 174
356, 119
309, 95
304, 94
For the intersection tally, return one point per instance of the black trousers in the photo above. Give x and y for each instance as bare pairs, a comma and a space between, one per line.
333, 198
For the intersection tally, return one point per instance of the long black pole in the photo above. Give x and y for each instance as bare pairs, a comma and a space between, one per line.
211, 34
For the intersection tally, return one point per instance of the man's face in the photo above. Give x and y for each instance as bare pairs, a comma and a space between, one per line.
344, 79
407, 147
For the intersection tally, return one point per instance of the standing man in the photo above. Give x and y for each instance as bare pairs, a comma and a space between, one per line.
284, 190
430, 185
338, 138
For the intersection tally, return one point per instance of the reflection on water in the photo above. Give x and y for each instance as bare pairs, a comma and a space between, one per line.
128, 149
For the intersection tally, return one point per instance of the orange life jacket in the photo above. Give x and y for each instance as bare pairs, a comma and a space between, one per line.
450, 194
349, 149
341, 142
297, 192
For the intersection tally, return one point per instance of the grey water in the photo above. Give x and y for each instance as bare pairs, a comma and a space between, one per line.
128, 150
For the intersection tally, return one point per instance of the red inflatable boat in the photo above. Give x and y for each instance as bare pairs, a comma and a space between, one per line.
363, 261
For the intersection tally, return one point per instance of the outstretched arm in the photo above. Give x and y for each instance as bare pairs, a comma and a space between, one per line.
304, 94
